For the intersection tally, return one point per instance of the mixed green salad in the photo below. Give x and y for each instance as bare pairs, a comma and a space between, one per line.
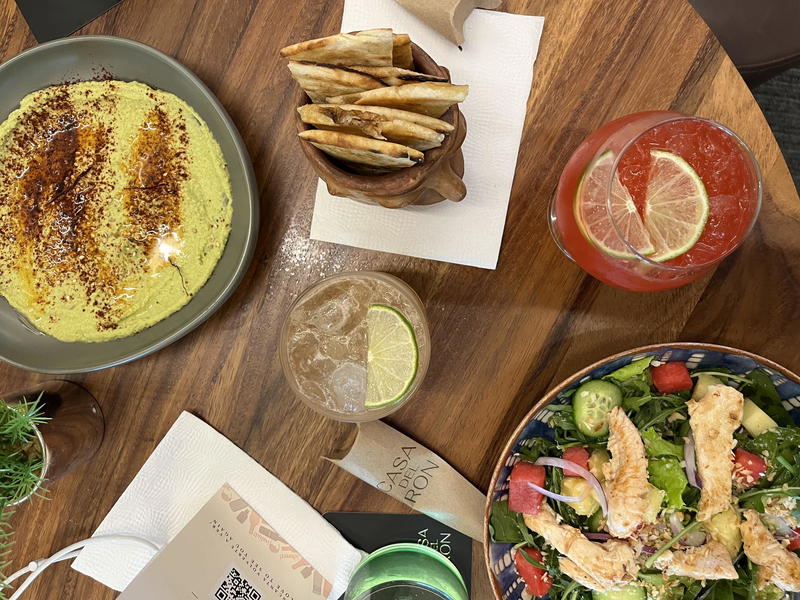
659, 483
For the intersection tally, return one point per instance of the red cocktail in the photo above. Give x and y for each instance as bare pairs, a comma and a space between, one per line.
655, 199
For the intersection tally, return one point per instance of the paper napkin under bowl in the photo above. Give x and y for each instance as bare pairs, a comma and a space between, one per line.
497, 63
190, 465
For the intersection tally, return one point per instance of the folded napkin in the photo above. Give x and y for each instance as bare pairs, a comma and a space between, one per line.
189, 466
497, 63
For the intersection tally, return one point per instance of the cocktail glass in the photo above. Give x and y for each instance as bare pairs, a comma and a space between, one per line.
323, 347
627, 148
406, 571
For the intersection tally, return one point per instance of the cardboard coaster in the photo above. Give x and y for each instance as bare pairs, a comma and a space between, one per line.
370, 531
52, 19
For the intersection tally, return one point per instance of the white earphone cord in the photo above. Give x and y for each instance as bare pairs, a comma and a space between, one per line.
37, 567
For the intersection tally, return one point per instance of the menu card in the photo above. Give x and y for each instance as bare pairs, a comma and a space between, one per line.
227, 552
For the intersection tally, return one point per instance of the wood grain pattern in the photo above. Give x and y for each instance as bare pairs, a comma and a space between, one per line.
500, 339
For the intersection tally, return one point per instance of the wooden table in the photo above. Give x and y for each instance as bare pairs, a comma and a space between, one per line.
500, 338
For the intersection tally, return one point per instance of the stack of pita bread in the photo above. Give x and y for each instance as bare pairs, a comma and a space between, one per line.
370, 108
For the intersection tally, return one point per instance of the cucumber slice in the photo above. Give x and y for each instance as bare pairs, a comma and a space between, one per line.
592, 404
629, 592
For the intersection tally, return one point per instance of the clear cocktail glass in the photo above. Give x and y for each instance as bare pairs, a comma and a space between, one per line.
325, 350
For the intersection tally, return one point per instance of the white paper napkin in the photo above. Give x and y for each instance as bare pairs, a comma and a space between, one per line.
189, 466
497, 63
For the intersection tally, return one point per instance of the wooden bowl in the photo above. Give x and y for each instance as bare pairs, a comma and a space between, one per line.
436, 179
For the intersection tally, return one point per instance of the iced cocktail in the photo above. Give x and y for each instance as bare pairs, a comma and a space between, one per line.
655, 200
355, 346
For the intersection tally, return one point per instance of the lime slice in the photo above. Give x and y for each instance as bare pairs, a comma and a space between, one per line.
594, 219
676, 208
392, 355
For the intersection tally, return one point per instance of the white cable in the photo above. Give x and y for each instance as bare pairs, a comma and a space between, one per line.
37, 567
33, 565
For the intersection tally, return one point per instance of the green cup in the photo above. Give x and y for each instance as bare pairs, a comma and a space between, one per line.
406, 572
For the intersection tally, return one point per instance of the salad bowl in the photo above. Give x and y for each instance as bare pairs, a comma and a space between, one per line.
499, 557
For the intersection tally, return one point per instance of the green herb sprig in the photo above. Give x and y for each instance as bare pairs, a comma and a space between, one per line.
22, 464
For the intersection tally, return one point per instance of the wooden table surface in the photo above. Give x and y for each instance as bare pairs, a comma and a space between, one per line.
500, 338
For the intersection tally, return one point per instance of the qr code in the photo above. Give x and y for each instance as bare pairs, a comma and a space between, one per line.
236, 587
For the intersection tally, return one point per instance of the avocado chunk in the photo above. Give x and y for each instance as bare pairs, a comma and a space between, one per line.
724, 527
577, 486
755, 420
596, 461
655, 497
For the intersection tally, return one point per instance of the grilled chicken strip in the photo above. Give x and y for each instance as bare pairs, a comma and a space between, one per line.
713, 419
709, 561
625, 476
600, 567
775, 563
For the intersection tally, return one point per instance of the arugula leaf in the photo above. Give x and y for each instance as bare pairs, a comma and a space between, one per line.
534, 448
532, 560
636, 387
769, 592
691, 498
730, 589
779, 446
564, 587
555, 478
723, 590
504, 524
656, 414
633, 369
755, 498
635, 403
653, 410
693, 588
667, 474
762, 392
655, 445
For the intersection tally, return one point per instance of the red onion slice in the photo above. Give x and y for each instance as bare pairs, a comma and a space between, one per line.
691, 464
779, 526
560, 463
600, 537
554, 496
675, 523
694, 538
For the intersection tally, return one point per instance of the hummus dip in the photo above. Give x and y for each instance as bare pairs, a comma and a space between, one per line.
115, 207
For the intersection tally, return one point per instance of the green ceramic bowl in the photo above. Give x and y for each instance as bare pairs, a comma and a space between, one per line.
90, 57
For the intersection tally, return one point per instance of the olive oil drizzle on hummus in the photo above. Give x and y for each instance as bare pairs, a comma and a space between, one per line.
93, 207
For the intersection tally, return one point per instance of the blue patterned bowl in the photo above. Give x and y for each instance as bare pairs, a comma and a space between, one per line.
506, 583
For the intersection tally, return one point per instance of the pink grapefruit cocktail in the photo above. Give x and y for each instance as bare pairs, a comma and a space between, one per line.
655, 199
